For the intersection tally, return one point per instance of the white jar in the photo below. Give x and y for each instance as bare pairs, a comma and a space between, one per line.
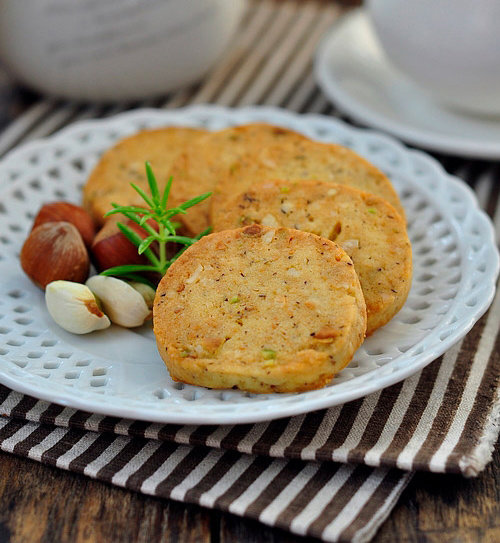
114, 49
449, 47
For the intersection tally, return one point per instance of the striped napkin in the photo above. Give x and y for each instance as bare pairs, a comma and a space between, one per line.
334, 474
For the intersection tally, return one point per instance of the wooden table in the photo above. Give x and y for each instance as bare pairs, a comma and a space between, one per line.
44, 504
40, 503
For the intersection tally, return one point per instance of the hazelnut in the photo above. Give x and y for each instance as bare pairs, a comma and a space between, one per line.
55, 250
64, 211
111, 248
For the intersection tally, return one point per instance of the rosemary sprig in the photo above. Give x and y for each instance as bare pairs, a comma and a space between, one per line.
157, 211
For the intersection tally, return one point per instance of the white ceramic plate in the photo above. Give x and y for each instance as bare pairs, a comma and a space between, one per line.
119, 372
355, 74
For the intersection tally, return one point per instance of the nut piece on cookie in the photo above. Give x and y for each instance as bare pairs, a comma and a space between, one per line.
259, 309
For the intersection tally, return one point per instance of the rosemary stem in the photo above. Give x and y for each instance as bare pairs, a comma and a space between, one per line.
163, 252
156, 211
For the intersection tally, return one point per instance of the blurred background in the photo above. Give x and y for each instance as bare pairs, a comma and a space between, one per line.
41, 59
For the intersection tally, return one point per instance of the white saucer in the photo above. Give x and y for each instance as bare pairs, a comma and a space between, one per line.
354, 73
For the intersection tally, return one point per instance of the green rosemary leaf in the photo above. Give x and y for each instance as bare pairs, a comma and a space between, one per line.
128, 268
146, 242
180, 239
122, 209
137, 240
203, 233
146, 218
194, 201
142, 194
153, 185
181, 208
111, 212
116, 209
138, 220
174, 211
130, 234
166, 193
130, 215
149, 229
170, 227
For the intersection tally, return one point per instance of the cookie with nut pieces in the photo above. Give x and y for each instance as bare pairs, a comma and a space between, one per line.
217, 154
260, 309
290, 156
123, 164
368, 228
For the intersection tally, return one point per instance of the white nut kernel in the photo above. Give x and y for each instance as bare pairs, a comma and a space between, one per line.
269, 220
74, 307
267, 160
123, 304
195, 275
350, 244
268, 236
147, 292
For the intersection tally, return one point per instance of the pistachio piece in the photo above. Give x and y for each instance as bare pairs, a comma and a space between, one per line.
268, 354
123, 303
74, 307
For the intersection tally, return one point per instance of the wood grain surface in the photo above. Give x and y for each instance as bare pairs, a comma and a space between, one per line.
42, 504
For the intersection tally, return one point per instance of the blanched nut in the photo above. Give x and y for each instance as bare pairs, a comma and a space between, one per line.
122, 302
74, 307
145, 291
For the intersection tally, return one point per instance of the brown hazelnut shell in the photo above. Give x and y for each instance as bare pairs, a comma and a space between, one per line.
65, 211
55, 250
111, 248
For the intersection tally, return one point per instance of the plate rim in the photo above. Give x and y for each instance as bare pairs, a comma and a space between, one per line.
66, 397
366, 116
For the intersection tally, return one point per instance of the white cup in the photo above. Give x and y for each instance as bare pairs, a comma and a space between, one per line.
451, 48
114, 49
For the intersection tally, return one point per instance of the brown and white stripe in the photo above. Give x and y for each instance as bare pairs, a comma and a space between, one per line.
285, 473
318, 499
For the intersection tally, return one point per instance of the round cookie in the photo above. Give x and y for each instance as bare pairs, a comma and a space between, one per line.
202, 164
260, 309
368, 228
292, 157
124, 164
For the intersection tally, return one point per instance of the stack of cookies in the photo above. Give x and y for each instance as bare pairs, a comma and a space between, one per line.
309, 253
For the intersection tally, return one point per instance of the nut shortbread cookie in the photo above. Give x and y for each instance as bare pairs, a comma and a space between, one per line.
368, 228
259, 309
237, 166
216, 154
124, 164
